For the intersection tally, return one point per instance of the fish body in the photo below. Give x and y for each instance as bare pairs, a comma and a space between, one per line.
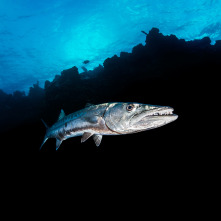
108, 119
86, 62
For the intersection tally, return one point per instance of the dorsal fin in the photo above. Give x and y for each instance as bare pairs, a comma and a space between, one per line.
88, 105
61, 115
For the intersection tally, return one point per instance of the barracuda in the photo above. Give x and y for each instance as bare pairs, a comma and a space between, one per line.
108, 119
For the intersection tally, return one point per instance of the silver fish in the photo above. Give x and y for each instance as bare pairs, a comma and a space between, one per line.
108, 119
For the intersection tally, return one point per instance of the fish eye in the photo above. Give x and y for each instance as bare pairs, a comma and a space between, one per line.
130, 107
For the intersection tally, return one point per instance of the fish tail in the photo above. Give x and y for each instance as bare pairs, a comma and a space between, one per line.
46, 137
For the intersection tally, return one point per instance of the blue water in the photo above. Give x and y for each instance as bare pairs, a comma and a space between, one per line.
39, 39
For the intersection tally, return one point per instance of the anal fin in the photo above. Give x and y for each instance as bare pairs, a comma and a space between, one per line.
97, 139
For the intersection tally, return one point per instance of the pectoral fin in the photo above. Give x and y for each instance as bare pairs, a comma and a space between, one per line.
85, 136
97, 139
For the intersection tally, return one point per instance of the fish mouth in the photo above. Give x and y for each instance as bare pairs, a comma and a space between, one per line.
156, 117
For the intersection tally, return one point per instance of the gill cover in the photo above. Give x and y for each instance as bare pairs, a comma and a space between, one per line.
117, 117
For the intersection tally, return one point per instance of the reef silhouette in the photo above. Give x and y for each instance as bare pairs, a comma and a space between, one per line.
164, 71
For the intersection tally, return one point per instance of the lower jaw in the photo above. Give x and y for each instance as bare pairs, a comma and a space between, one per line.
151, 121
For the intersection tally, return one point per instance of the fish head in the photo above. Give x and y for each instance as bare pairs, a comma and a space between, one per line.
125, 118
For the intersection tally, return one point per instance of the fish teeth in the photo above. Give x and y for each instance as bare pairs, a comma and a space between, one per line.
166, 112
163, 112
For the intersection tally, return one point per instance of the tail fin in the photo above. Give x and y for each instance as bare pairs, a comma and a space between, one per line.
45, 124
46, 137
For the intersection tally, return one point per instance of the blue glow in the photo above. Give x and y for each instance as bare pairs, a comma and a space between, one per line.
39, 39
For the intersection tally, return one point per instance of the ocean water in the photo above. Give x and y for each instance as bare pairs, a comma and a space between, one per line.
39, 39
64, 54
